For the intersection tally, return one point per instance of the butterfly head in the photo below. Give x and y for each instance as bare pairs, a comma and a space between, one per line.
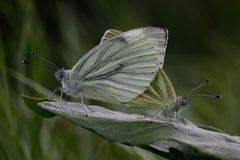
183, 102
60, 74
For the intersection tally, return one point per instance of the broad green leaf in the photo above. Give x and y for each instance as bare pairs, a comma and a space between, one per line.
32, 104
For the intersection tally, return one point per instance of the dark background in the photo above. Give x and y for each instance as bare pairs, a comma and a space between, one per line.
204, 43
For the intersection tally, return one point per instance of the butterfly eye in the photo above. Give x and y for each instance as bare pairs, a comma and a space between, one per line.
59, 75
185, 101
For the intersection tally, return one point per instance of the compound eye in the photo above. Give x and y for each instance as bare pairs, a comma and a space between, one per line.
59, 75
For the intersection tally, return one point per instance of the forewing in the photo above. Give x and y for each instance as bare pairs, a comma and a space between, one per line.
159, 93
125, 65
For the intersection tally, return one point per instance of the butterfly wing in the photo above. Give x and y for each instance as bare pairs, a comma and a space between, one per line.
110, 34
123, 66
159, 93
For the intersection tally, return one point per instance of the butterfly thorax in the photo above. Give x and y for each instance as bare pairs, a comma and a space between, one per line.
69, 86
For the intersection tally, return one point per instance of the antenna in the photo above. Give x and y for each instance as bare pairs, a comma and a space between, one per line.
202, 95
45, 60
197, 87
50, 64
206, 95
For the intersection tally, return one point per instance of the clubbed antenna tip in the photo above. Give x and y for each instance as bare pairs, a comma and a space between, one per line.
24, 62
219, 96
198, 86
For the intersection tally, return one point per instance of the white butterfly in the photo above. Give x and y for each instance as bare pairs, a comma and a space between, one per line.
120, 68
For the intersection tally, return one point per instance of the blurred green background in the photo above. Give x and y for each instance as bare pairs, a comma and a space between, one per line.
204, 42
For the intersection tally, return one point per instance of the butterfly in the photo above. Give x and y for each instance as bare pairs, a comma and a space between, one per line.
119, 69
161, 97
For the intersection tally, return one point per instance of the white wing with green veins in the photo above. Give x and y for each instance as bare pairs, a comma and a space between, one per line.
110, 34
124, 64
160, 93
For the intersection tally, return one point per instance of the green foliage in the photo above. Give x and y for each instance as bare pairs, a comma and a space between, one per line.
32, 102
203, 43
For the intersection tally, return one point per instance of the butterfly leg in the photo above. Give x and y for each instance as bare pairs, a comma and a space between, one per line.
183, 119
174, 118
84, 106
90, 109
61, 97
159, 113
54, 92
